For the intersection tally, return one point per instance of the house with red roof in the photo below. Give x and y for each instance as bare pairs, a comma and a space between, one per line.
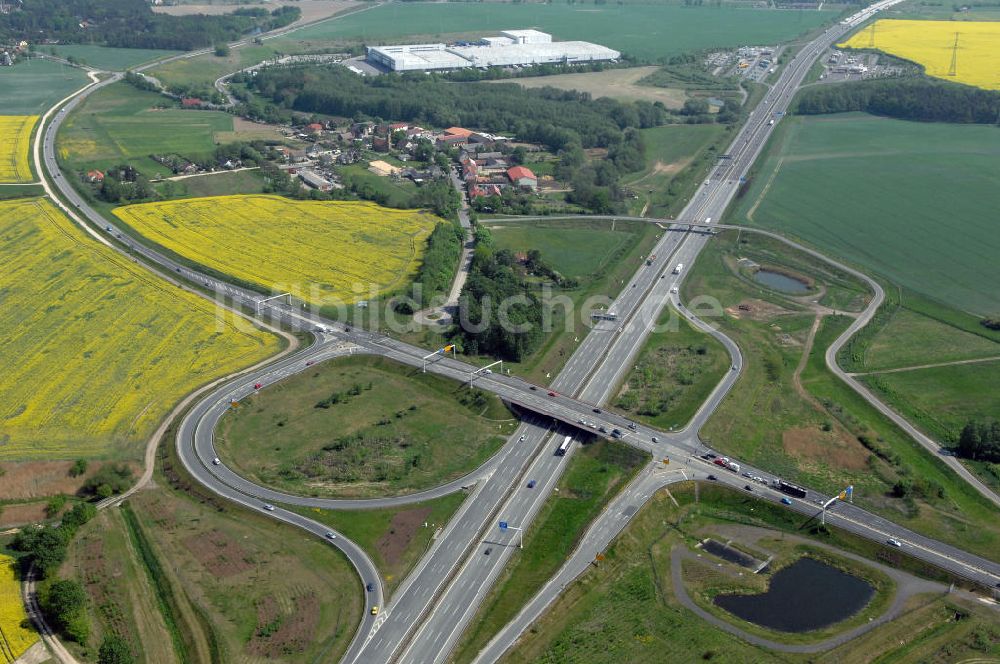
522, 177
191, 102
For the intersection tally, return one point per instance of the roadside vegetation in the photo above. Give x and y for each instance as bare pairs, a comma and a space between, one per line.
625, 607
395, 539
84, 378
676, 370
789, 414
595, 474
362, 426
31, 87
575, 259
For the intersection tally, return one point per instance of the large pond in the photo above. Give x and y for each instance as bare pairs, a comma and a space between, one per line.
804, 596
780, 282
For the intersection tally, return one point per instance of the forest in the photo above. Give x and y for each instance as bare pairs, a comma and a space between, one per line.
133, 24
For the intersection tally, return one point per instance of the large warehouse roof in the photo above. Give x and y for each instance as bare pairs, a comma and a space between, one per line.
529, 50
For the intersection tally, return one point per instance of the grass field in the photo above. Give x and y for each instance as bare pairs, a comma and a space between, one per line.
942, 399
15, 635
192, 580
395, 539
120, 124
326, 253
912, 339
98, 350
816, 429
601, 255
15, 146
595, 474
31, 87
645, 31
910, 201
362, 426
677, 158
674, 373
110, 59
624, 609
217, 184
932, 45
204, 69
615, 83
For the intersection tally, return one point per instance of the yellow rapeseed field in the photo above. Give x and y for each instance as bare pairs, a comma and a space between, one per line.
931, 44
15, 141
325, 252
96, 351
15, 637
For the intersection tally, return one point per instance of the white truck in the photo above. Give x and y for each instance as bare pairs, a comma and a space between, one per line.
680, 266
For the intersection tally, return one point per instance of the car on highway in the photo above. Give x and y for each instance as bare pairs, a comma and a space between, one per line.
330, 536
216, 461
602, 429
617, 433
673, 289
748, 487
521, 439
488, 551
596, 410
257, 386
370, 587
531, 484
309, 363
633, 426
655, 439
786, 501
748, 475
374, 610
713, 478
894, 542
533, 388
551, 393
269, 507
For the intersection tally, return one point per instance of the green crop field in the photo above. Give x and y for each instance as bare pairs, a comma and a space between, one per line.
362, 426
204, 69
103, 57
645, 31
120, 124
912, 339
911, 201
31, 87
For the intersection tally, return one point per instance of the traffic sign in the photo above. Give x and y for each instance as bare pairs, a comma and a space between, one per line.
503, 525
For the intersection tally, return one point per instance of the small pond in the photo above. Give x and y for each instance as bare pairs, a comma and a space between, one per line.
804, 596
780, 282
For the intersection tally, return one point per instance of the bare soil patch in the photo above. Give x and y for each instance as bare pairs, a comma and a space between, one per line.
615, 83
759, 310
402, 529
835, 448
284, 630
37, 479
312, 10
220, 554
20, 514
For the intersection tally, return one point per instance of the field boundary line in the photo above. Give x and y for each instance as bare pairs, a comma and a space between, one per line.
917, 367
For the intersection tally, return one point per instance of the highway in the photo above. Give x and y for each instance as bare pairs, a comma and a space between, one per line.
429, 611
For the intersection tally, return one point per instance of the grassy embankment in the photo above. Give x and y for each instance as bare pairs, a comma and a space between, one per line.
596, 473
625, 608
674, 373
362, 426
789, 414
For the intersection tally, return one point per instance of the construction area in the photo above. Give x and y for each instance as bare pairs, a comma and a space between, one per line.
512, 48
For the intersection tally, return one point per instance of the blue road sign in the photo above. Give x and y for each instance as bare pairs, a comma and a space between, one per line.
503, 525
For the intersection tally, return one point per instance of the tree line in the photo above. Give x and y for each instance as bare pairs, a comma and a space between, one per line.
980, 441
919, 98
133, 24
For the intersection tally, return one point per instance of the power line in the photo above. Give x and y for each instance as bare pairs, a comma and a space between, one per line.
953, 70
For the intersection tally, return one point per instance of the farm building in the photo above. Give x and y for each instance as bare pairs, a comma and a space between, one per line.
522, 177
513, 47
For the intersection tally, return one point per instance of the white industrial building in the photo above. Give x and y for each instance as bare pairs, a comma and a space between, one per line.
513, 47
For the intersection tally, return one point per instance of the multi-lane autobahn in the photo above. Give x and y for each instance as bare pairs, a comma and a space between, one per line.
429, 611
